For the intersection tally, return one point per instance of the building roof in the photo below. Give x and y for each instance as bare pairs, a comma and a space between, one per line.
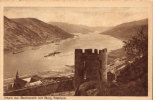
35, 83
27, 79
35, 78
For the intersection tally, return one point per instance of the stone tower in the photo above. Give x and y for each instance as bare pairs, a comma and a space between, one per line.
91, 66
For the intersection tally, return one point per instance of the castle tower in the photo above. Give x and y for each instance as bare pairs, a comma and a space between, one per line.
91, 66
103, 70
79, 67
103, 58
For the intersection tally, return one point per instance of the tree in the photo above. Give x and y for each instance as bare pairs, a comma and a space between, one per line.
137, 46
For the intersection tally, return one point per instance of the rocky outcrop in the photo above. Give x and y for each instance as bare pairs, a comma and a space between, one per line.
87, 89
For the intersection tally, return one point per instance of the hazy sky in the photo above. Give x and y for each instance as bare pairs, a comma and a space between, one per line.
97, 16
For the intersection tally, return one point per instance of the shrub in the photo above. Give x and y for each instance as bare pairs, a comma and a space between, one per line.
137, 46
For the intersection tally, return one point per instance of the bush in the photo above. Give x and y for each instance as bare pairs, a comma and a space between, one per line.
137, 46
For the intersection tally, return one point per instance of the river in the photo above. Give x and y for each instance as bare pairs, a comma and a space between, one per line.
32, 61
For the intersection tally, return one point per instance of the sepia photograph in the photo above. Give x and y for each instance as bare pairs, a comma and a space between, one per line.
75, 51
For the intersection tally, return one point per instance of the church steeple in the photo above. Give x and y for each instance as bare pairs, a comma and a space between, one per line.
17, 75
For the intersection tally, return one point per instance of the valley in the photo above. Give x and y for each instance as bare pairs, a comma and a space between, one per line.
32, 60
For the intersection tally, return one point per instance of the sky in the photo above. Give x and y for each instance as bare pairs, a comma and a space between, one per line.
89, 16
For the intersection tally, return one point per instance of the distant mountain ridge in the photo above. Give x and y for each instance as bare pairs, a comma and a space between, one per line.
126, 30
22, 32
74, 28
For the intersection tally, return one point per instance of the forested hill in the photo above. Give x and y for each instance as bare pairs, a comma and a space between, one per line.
22, 32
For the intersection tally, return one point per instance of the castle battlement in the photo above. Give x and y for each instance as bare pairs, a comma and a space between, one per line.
90, 51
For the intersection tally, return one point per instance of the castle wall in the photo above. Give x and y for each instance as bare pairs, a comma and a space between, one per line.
41, 90
91, 65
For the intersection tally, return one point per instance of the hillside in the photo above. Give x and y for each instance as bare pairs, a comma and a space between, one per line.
18, 36
44, 30
116, 54
130, 80
72, 28
22, 32
126, 30
133, 79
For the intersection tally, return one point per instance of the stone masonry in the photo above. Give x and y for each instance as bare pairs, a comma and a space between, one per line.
91, 66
